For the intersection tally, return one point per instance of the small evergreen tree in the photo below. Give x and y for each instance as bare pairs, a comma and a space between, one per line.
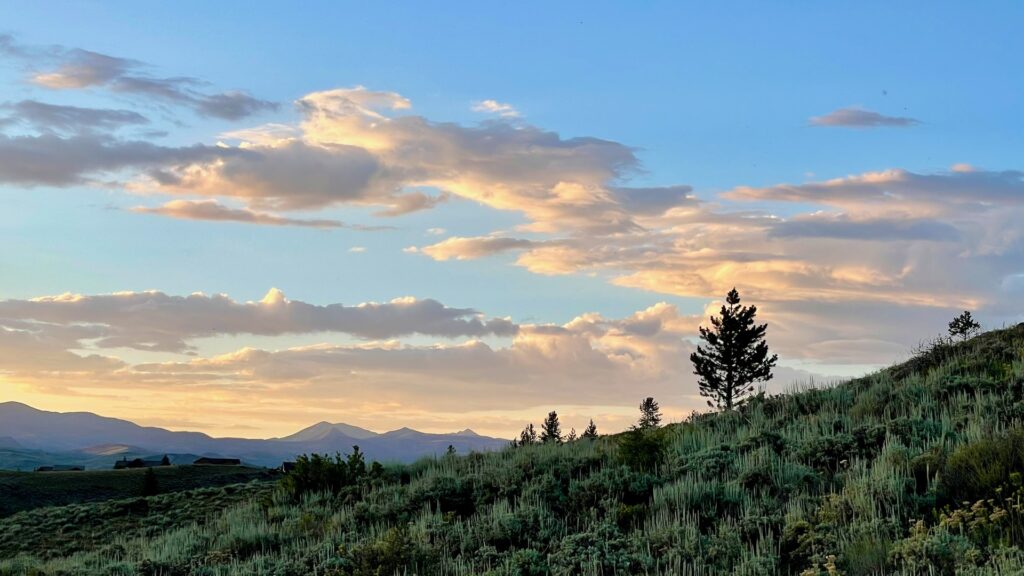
735, 357
165, 461
591, 431
963, 327
650, 414
150, 484
528, 435
572, 435
450, 451
356, 464
551, 430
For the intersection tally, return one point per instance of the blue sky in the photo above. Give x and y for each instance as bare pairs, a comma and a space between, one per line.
718, 97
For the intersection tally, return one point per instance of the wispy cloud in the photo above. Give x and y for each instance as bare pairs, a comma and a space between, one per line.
71, 119
855, 117
158, 321
61, 68
494, 107
212, 210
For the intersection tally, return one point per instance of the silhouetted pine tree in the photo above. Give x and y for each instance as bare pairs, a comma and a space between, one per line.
450, 451
572, 436
736, 355
591, 431
551, 430
963, 326
650, 414
356, 464
528, 435
165, 461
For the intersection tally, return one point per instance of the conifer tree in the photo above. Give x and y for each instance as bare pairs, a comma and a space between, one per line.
528, 435
356, 464
650, 414
963, 326
551, 430
591, 431
450, 451
572, 435
735, 355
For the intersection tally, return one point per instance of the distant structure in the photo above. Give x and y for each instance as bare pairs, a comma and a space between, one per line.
60, 468
124, 463
204, 461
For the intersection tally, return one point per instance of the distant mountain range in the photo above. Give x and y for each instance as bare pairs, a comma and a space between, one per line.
30, 437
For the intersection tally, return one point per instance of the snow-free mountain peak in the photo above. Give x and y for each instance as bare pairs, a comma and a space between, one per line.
322, 430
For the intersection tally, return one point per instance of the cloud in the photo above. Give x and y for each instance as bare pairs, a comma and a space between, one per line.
929, 242
160, 322
495, 107
76, 69
66, 345
354, 146
839, 226
920, 246
232, 105
458, 248
943, 193
617, 360
71, 119
211, 210
861, 118
51, 160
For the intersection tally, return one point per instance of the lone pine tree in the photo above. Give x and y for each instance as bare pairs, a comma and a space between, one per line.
735, 355
963, 326
591, 430
650, 414
551, 430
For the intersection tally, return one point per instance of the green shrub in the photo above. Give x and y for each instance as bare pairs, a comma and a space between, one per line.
642, 450
974, 471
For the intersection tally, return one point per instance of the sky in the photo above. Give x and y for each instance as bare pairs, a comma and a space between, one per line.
245, 221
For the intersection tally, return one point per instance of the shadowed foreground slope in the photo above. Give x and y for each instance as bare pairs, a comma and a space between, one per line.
912, 470
27, 490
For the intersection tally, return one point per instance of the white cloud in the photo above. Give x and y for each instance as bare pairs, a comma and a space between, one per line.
495, 107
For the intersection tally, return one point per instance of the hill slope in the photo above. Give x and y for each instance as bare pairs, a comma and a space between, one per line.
918, 469
27, 490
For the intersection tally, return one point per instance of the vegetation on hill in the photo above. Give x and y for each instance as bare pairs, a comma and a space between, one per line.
916, 469
27, 490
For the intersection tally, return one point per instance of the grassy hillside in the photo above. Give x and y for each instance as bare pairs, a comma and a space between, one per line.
914, 470
27, 490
